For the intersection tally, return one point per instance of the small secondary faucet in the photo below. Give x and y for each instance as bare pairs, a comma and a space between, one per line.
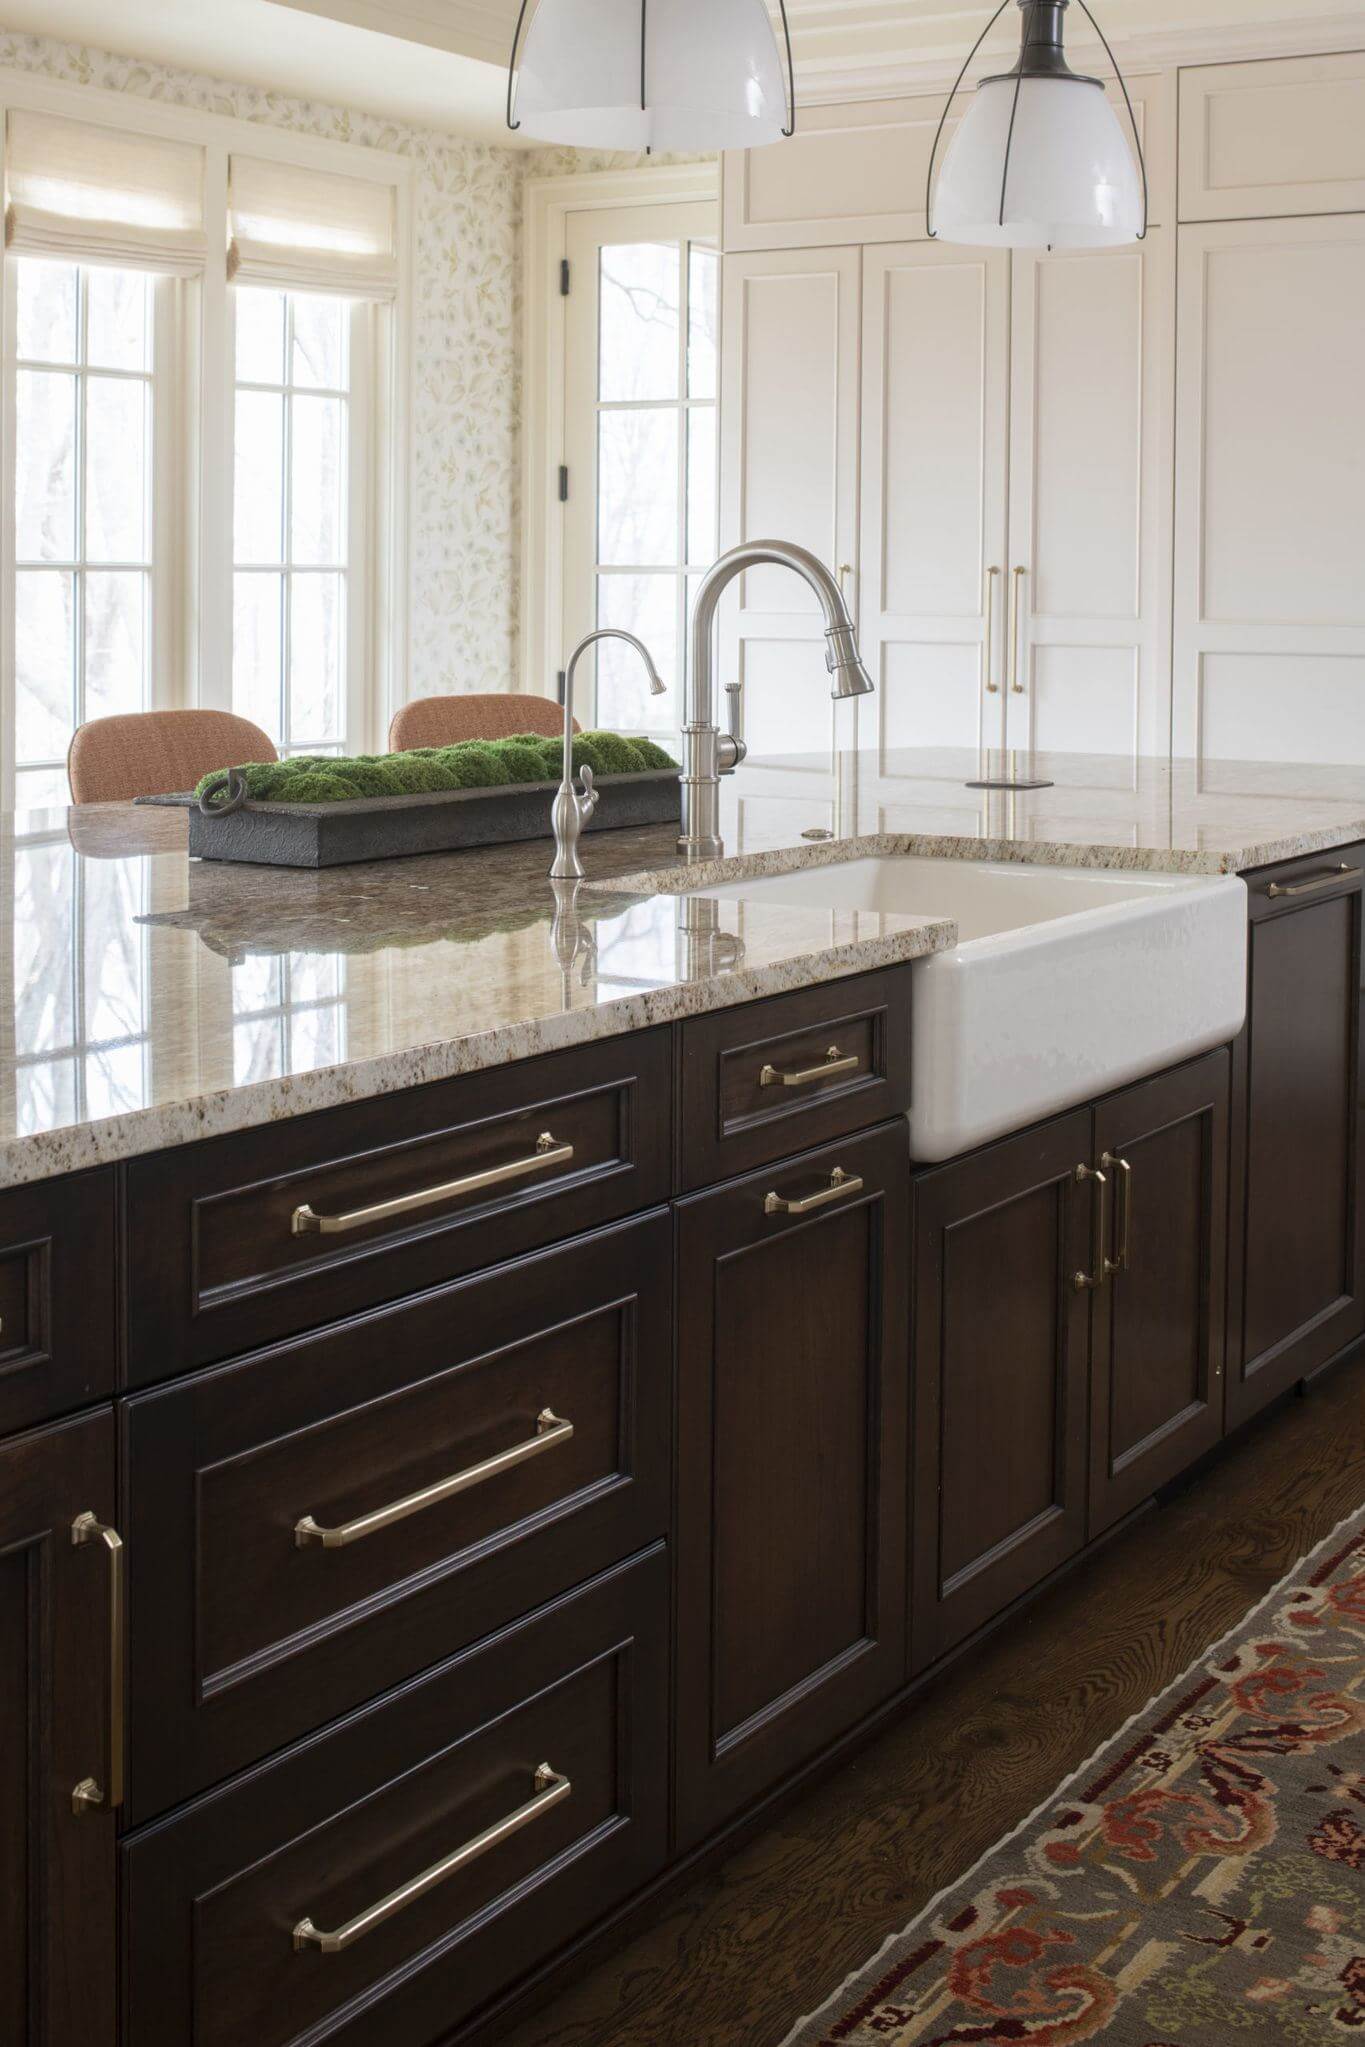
709, 753
572, 811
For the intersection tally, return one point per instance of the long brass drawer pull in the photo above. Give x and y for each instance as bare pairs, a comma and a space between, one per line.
806, 1076
551, 1432
841, 1187
89, 1795
546, 1154
1123, 1221
1314, 882
1096, 1279
551, 1789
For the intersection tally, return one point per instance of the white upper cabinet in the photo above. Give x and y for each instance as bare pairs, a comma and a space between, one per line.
1270, 507
789, 469
849, 174
934, 445
1273, 138
1087, 666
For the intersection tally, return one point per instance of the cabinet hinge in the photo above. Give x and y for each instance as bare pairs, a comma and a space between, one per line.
560, 680
565, 278
563, 483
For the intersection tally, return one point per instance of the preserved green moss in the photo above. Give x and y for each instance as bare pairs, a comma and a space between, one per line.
474, 764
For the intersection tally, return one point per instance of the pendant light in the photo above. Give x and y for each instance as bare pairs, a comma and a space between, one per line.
684, 75
1040, 160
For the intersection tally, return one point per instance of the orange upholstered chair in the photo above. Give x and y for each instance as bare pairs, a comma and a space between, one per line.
445, 721
156, 753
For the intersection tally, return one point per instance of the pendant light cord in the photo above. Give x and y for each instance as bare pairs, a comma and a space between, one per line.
943, 117
1132, 117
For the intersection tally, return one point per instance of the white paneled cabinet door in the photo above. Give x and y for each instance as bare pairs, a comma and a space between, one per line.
934, 451
1270, 506
1088, 656
789, 467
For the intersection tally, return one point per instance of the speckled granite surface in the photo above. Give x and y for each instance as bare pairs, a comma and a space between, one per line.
146, 1000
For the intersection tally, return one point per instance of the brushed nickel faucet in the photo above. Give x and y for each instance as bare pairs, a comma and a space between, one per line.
572, 810
709, 753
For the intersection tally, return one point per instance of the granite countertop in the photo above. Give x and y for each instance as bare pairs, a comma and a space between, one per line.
147, 1000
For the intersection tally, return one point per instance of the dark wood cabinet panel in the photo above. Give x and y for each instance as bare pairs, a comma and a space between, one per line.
57, 1867
218, 1265
1158, 1321
217, 1895
1297, 1293
793, 1382
58, 1326
1000, 1367
771, 1078
244, 1639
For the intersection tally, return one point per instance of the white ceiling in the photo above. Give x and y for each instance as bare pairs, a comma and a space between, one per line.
442, 61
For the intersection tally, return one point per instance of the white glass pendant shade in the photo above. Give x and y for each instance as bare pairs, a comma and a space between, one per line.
1072, 181
713, 78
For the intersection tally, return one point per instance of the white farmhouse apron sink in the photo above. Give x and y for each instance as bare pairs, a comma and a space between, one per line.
1066, 982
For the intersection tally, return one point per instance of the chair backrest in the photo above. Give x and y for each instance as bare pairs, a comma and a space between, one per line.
155, 753
445, 721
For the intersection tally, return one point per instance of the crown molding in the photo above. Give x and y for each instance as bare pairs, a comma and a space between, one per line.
828, 79
469, 28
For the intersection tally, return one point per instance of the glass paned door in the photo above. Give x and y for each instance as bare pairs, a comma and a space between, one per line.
641, 438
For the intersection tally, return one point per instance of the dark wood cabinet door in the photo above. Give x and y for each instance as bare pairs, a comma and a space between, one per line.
1156, 1400
57, 1868
1001, 1361
793, 1380
1297, 1288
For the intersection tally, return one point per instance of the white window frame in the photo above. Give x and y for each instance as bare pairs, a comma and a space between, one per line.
192, 519
550, 204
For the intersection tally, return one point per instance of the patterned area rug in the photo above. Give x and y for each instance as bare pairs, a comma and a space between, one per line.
1199, 1883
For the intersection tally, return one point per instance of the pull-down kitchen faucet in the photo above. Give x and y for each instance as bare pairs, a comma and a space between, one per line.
709, 753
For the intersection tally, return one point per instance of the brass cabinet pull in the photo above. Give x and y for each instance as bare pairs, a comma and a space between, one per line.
551, 1789
841, 1186
89, 1795
1082, 1280
991, 575
1016, 687
551, 1431
546, 1154
1276, 889
1123, 1220
806, 1076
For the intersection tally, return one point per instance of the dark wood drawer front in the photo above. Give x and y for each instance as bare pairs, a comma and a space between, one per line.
1272, 890
555, 1371
57, 1318
331, 1830
773, 1078
222, 1259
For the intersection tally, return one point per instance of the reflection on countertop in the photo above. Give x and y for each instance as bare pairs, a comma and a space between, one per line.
146, 1000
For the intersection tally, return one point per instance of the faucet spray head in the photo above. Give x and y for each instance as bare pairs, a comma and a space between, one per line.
845, 664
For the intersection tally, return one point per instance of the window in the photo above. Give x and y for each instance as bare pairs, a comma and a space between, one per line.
641, 386
202, 374
85, 377
289, 1015
295, 583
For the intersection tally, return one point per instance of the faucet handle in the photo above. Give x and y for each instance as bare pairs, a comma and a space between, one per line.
591, 797
735, 692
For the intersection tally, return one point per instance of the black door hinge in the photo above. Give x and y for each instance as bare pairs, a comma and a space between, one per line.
563, 483
564, 278
560, 681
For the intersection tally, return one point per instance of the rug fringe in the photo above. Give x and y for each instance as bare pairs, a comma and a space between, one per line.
793, 2038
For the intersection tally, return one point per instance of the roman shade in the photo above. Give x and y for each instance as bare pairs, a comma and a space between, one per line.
307, 230
87, 193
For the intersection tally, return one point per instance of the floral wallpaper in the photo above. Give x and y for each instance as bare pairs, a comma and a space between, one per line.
465, 400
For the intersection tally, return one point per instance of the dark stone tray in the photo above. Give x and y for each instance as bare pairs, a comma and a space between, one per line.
390, 827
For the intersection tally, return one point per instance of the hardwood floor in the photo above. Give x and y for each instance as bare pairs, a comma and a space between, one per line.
739, 1955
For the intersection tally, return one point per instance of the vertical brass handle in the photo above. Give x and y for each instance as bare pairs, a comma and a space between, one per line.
1083, 1280
89, 1795
1016, 593
991, 575
1123, 1220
